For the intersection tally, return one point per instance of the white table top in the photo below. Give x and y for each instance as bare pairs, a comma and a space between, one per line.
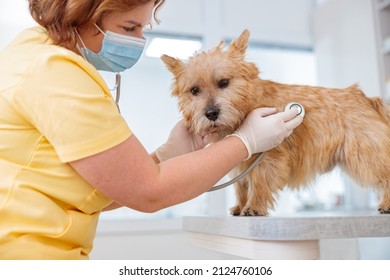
312, 226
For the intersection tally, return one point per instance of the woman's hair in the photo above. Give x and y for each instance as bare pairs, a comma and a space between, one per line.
62, 17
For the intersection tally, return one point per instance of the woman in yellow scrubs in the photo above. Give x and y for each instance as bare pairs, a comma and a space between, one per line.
66, 153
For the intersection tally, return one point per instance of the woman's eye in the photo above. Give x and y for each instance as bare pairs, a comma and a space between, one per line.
129, 29
223, 83
195, 91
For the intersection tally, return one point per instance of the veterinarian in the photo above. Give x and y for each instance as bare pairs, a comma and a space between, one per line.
66, 153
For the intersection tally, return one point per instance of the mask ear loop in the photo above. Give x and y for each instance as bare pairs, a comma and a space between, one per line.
82, 43
81, 40
97, 26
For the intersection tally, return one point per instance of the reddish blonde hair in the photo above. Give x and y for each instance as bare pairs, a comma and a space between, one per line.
62, 17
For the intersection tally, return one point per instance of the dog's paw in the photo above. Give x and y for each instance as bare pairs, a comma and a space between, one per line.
384, 210
235, 211
384, 207
248, 211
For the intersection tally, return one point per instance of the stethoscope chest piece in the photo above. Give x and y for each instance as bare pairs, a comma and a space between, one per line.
301, 109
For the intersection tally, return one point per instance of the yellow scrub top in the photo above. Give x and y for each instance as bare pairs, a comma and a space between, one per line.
54, 108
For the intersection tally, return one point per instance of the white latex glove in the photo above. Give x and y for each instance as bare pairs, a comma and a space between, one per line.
181, 141
264, 129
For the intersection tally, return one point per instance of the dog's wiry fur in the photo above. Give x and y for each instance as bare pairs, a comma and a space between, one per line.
341, 126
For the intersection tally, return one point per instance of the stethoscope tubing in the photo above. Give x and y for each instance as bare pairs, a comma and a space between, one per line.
239, 177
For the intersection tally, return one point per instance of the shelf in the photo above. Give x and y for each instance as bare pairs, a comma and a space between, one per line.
383, 4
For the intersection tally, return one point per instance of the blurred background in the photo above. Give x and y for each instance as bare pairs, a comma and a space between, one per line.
331, 43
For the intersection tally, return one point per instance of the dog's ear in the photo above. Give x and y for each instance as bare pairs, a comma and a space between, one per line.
173, 64
238, 47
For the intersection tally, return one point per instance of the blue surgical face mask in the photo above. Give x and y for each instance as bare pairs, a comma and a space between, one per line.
118, 53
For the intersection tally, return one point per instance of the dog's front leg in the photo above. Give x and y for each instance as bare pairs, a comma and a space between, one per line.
241, 197
260, 198
265, 182
384, 206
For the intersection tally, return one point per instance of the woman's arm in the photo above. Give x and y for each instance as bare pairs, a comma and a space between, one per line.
112, 206
130, 176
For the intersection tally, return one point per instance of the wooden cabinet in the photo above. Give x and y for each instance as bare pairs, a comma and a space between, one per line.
382, 15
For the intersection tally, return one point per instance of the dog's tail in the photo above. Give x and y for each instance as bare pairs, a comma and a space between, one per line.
381, 107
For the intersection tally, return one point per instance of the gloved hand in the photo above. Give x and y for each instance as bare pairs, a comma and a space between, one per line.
264, 129
181, 141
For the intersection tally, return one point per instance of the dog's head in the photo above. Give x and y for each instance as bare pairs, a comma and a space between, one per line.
214, 88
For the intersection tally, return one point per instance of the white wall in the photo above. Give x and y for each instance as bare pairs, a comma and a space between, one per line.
345, 45
278, 21
14, 17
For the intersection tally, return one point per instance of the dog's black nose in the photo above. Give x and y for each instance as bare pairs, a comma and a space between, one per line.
212, 114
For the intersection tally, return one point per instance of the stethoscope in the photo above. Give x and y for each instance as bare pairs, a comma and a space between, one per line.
260, 156
117, 89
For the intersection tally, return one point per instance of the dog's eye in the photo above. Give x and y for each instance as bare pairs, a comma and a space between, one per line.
195, 91
223, 83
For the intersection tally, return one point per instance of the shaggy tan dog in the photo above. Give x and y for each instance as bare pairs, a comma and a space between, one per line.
218, 88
